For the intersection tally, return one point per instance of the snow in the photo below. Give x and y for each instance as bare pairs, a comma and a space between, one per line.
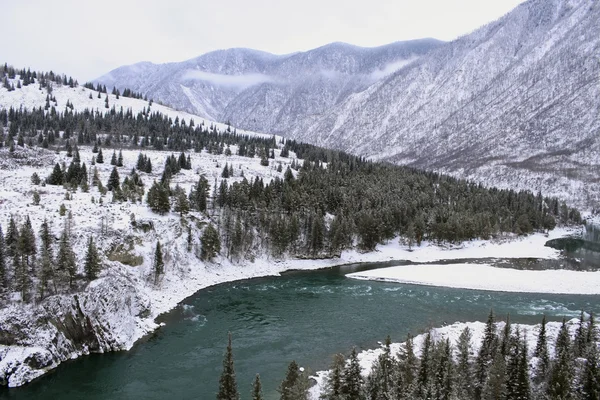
486, 277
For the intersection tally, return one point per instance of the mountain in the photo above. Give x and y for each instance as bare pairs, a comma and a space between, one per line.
514, 104
258, 89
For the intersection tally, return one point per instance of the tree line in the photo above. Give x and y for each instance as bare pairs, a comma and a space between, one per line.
504, 368
36, 268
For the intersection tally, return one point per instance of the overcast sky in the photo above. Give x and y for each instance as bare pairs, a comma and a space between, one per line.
87, 38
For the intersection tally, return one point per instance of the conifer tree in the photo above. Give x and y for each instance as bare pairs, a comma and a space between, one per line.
114, 182
295, 385
227, 383
580, 341
120, 159
158, 265
592, 334
158, 198
561, 373
47, 262
27, 251
12, 237
333, 386
353, 381
211, 243
56, 178
486, 355
92, 261
113, 159
182, 204
46, 273
408, 367
100, 157
495, 385
590, 379
65, 260
424, 375
541, 352
257, 389
464, 370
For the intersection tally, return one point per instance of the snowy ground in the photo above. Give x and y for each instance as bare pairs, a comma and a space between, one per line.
31, 96
452, 332
486, 277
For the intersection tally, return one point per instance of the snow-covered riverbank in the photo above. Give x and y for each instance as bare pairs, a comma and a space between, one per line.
452, 332
121, 307
486, 277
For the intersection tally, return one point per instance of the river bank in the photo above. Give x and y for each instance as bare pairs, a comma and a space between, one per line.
121, 307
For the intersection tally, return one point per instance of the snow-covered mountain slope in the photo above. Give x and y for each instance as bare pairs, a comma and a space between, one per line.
515, 103
82, 98
256, 89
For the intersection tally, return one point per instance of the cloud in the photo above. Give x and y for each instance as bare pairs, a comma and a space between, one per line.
240, 82
390, 68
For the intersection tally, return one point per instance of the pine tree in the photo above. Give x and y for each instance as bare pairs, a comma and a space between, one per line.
65, 260
486, 355
158, 265
333, 386
592, 335
211, 243
158, 198
27, 251
353, 381
560, 385
590, 378
424, 375
295, 385
114, 182
408, 366
541, 352
47, 273
580, 341
12, 237
495, 384
56, 178
113, 159
120, 159
92, 261
182, 204
227, 384
464, 369
257, 389
99, 157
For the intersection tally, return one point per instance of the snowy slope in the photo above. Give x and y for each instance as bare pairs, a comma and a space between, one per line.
31, 96
515, 103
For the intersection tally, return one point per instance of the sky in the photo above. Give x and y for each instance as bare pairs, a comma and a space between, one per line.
88, 38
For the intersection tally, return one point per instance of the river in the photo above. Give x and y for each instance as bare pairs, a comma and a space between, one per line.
302, 316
